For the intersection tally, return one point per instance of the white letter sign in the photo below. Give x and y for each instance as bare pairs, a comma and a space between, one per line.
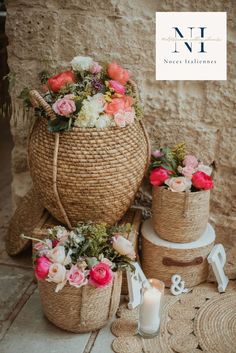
135, 280
217, 259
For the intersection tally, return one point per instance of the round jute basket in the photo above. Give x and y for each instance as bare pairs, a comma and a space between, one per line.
87, 174
180, 217
162, 259
80, 309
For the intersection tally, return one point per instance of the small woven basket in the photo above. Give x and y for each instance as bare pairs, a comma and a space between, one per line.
180, 217
87, 174
82, 309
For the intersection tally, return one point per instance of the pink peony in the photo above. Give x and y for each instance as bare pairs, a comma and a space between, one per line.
95, 68
188, 171
123, 103
117, 73
55, 83
159, 175
190, 161
42, 265
64, 106
117, 87
100, 275
202, 181
76, 277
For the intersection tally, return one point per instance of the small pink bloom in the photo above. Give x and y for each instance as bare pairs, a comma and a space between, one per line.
95, 68
188, 171
100, 275
64, 107
157, 154
117, 87
42, 265
76, 277
120, 119
130, 116
159, 175
117, 73
190, 161
202, 181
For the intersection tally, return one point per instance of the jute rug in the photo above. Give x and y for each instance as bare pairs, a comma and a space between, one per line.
200, 321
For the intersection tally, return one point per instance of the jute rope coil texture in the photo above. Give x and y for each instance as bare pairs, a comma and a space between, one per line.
180, 217
87, 173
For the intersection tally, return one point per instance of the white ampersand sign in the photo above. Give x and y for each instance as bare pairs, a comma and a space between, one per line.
177, 286
217, 259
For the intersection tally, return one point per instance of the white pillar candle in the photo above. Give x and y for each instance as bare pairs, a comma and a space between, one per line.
149, 315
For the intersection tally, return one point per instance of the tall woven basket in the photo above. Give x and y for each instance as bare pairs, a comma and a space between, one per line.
180, 217
80, 309
87, 173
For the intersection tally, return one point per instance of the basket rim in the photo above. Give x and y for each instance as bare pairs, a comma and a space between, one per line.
163, 189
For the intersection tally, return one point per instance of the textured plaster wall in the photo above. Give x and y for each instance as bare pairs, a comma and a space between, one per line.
45, 33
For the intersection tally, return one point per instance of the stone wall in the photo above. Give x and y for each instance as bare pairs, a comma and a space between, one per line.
43, 33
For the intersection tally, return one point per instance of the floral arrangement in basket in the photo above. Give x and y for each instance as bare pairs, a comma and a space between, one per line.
88, 95
87, 254
179, 171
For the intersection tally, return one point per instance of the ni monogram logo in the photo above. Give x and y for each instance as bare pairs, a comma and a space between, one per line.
192, 41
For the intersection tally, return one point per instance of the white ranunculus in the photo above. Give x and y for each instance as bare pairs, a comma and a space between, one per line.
58, 255
90, 111
103, 121
123, 246
57, 274
81, 63
204, 168
179, 184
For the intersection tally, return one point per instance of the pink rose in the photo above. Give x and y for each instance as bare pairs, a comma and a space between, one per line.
159, 175
95, 68
117, 73
76, 277
120, 119
117, 87
187, 171
100, 275
179, 184
202, 181
64, 106
42, 265
190, 161
123, 103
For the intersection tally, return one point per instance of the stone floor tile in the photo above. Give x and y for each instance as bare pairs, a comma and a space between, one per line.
103, 341
22, 260
32, 332
14, 282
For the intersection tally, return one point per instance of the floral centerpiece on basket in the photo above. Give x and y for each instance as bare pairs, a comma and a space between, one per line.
181, 194
179, 171
88, 95
89, 254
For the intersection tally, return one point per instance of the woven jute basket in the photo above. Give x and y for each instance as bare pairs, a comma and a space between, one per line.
162, 259
180, 217
80, 309
87, 174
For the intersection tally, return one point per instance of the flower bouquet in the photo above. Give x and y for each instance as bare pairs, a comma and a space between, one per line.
181, 194
79, 272
88, 128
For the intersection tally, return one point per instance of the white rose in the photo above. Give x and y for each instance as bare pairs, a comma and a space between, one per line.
58, 255
123, 246
179, 184
103, 121
81, 63
204, 168
57, 274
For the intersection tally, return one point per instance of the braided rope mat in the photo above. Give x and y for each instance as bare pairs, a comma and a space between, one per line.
200, 321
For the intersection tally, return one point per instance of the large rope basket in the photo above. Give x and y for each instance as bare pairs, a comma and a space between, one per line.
180, 217
87, 174
80, 309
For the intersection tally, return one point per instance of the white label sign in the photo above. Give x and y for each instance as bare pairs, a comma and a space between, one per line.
217, 259
191, 46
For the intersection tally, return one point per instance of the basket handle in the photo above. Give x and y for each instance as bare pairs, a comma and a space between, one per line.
38, 101
167, 261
